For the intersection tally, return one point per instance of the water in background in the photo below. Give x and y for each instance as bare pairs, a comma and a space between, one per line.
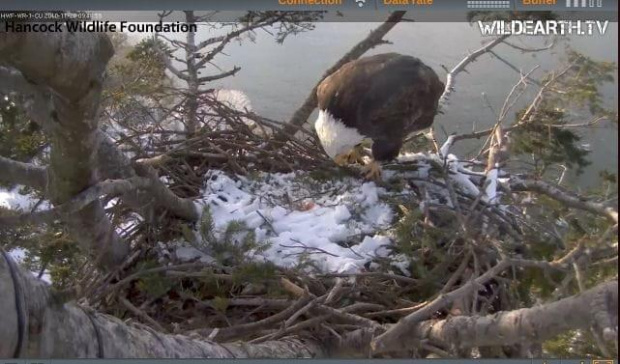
278, 77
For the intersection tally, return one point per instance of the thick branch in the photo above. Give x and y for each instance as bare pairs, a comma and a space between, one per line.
154, 192
386, 340
596, 307
114, 165
23, 173
534, 324
159, 195
65, 330
563, 196
54, 329
71, 65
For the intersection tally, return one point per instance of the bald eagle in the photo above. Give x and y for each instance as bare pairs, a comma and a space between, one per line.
383, 98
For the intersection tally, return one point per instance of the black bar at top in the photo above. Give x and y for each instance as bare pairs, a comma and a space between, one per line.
313, 361
362, 5
174, 5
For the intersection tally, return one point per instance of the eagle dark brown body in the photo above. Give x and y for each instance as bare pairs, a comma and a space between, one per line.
383, 97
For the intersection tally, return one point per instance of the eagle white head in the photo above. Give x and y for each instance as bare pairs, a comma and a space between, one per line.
337, 139
384, 98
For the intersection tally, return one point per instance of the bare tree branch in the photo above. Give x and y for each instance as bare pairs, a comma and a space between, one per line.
385, 341
219, 76
451, 77
96, 335
262, 22
536, 324
564, 196
598, 305
23, 173
158, 194
400, 332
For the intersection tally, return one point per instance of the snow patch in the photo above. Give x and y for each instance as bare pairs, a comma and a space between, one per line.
319, 222
340, 225
12, 199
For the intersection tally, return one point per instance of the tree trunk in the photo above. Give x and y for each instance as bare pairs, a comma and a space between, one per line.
68, 69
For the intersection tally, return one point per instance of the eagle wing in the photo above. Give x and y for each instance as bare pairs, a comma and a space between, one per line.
385, 96
407, 94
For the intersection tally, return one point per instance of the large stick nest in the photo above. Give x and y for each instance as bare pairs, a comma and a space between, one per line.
439, 194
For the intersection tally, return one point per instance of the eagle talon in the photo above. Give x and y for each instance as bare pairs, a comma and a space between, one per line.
355, 155
372, 171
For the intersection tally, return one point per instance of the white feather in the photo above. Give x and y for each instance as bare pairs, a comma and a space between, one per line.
335, 137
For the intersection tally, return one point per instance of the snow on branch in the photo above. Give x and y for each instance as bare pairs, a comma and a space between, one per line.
445, 147
497, 157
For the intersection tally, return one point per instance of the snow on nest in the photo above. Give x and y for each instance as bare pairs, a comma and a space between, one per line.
296, 218
297, 214
460, 176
